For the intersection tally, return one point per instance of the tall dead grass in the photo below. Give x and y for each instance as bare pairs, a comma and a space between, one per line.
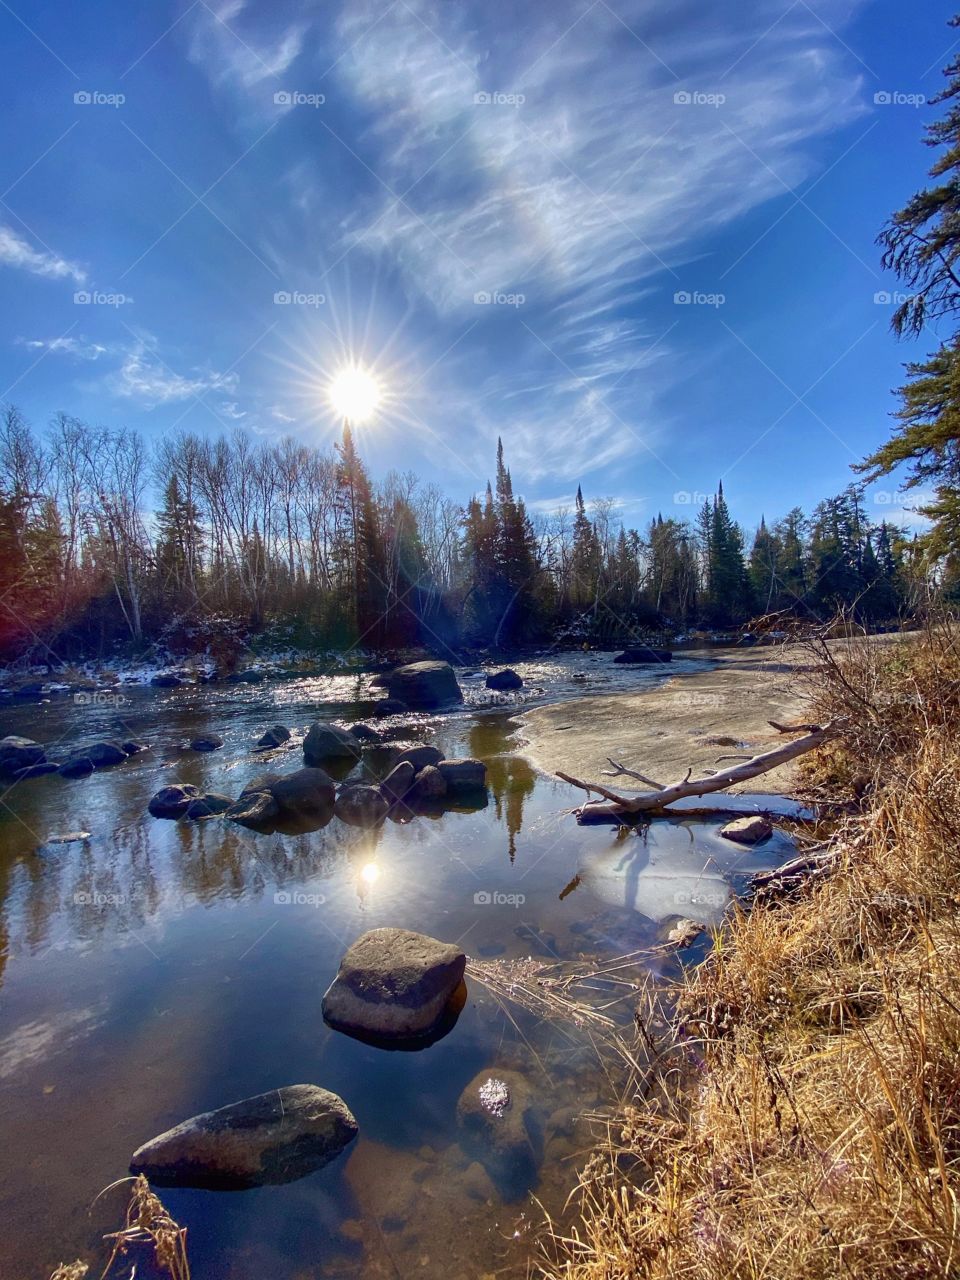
806, 1117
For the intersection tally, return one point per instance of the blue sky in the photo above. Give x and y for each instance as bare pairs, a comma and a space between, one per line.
388, 166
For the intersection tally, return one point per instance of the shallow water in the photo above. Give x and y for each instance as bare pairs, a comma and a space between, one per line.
159, 969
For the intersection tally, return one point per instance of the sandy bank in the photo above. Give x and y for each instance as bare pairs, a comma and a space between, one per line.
665, 730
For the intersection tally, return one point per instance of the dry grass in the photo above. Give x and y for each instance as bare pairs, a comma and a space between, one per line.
806, 1119
156, 1244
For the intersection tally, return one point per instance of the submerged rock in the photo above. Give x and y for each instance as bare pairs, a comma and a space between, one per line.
272, 1138
207, 742
329, 742
390, 707
394, 984
173, 801
498, 1127
19, 753
749, 830
165, 680
424, 685
504, 680
361, 806
275, 736
363, 733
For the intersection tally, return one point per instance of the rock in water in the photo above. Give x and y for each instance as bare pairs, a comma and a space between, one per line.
210, 805
272, 1138
424, 685
750, 830
361, 806
644, 654
173, 801
19, 753
305, 793
390, 707
504, 680
363, 733
420, 757
430, 784
76, 766
394, 984
329, 742
207, 742
398, 781
254, 809
497, 1126
463, 775
275, 736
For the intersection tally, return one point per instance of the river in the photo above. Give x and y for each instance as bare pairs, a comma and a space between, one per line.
157, 969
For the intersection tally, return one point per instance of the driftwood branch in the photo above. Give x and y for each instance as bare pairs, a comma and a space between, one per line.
621, 771
661, 797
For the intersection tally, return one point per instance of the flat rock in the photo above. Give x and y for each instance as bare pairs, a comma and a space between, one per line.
424, 685
504, 680
394, 984
19, 753
208, 742
173, 801
463, 775
275, 736
272, 1138
750, 830
360, 805
329, 742
643, 654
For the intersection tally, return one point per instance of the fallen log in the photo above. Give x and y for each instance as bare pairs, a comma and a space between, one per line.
658, 800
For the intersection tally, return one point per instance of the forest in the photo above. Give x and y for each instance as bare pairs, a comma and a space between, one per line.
245, 537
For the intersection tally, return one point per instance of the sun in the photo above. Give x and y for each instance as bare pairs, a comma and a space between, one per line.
355, 393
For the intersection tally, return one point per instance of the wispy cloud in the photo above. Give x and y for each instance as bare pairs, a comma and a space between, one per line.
147, 379
233, 54
79, 348
17, 252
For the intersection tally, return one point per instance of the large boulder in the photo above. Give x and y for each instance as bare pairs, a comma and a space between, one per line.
329, 742
173, 801
498, 1127
424, 685
361, 806
18, 753
643, 654
271, 1138
394, 984
463, 775
275, 736
505, 680
420, 757
750, 830
210, 805
305, 793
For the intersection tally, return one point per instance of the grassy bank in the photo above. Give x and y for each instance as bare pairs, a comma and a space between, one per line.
803, 1122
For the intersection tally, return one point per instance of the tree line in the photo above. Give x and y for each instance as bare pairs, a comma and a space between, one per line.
247, 536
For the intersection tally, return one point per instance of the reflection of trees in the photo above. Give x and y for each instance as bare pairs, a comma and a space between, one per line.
110, 885
510, 779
